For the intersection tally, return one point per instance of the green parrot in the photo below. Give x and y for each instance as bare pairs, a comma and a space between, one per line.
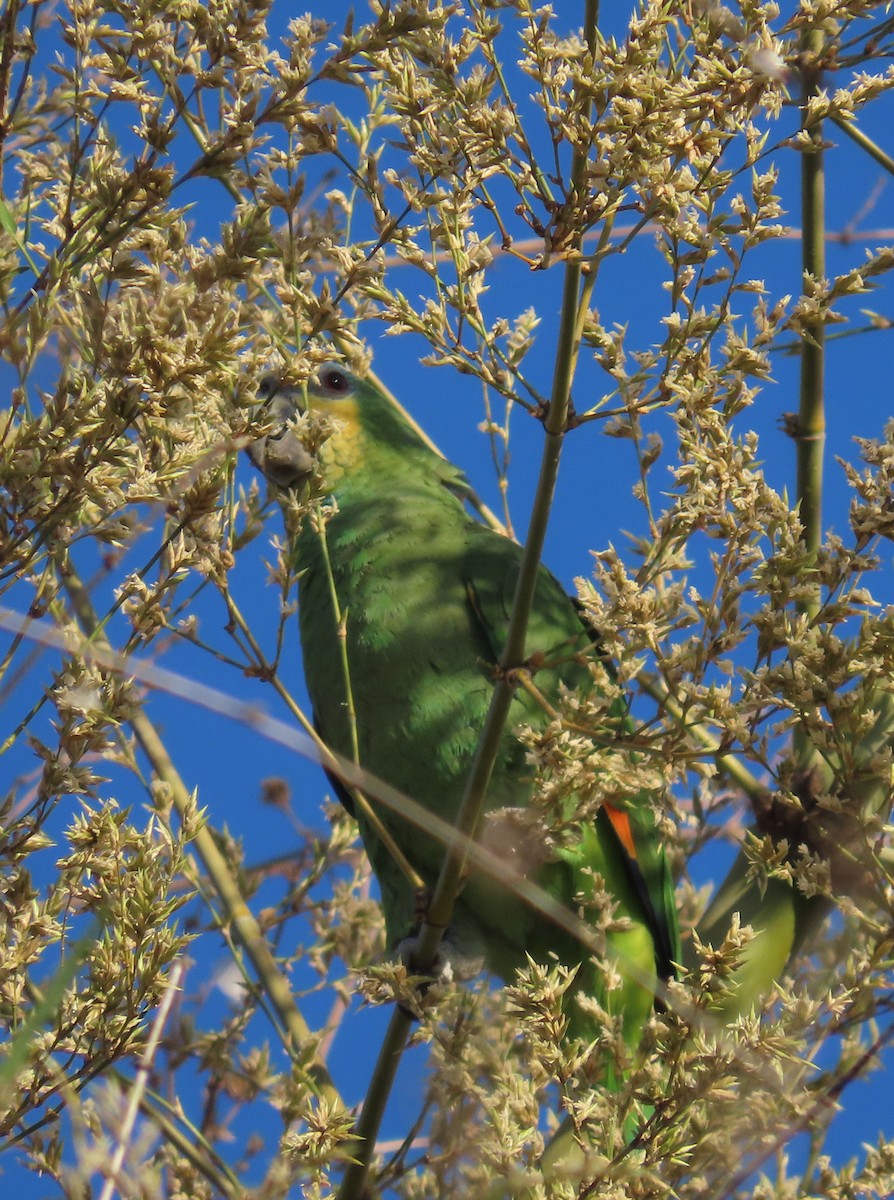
404, 601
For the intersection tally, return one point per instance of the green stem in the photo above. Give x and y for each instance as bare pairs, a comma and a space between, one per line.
440, 908
199, 1153
274, 983
856, 134
353, 1183
811, 428
326, 757
729, 764
811, 417
340, 621
555, 424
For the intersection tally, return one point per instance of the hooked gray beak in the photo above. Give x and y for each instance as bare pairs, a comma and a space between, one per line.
281, 456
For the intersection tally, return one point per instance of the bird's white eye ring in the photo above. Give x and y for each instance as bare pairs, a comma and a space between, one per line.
335, 381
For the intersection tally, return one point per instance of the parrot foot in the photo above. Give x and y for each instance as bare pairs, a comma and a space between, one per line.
451, 963
457, 958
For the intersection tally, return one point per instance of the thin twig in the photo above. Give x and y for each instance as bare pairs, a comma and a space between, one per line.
275, 984
810, 432
471, 808
141, 1081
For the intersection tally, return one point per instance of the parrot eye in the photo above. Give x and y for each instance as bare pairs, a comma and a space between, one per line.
268, 385
335, 381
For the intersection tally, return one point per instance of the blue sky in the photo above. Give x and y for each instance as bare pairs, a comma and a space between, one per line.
594, 507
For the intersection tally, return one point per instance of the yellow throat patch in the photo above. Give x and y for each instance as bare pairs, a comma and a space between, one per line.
343, 448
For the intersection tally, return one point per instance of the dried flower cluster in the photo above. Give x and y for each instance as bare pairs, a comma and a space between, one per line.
193, 194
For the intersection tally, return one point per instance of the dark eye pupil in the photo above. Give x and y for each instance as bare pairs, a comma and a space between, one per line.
335, 380
267, 386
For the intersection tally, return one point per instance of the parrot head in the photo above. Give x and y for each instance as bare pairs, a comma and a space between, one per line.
304, 418
339, 425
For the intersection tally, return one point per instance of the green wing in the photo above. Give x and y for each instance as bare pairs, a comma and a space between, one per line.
622, 844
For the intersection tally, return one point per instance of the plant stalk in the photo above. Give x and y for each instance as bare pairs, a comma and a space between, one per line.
810, 433
274, 983
440, 908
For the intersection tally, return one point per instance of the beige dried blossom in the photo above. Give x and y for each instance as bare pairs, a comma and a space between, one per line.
190, 202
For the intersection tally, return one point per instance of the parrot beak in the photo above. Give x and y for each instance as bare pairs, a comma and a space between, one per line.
281, 456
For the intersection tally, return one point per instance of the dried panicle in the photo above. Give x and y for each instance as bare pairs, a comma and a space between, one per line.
191, 201
322, 1143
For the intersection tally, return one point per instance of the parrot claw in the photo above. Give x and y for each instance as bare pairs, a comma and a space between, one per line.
451, 963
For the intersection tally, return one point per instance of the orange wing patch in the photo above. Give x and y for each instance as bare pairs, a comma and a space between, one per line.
621, 824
